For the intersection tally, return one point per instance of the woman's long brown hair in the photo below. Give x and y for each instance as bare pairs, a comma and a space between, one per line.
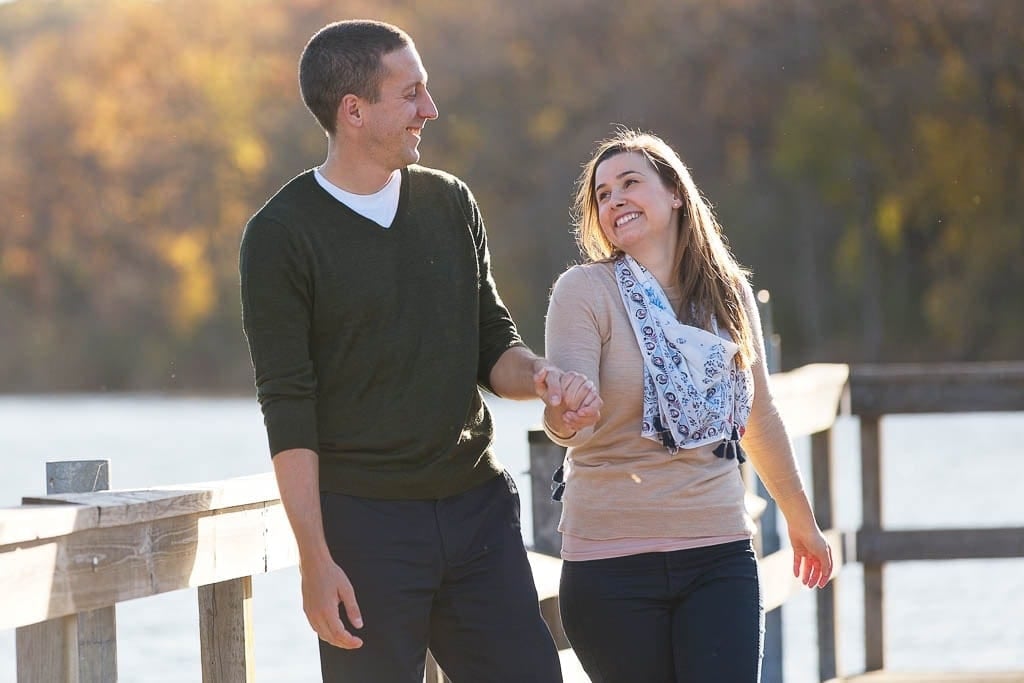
710, 279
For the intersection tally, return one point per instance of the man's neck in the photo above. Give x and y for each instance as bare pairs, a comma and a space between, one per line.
354, 174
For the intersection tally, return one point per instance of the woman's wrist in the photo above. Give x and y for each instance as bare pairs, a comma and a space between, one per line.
559, 430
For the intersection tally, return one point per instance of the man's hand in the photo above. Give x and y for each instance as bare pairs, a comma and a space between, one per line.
571, 400
324, 587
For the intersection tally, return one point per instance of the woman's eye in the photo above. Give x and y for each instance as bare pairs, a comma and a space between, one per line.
603, 196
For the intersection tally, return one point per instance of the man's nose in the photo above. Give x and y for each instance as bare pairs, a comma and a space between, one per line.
428, 110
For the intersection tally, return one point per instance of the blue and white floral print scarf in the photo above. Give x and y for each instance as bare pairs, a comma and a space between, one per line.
693, 392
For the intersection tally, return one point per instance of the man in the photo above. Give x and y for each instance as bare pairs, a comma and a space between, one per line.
372, 318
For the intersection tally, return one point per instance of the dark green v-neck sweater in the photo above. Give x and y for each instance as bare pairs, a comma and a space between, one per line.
368, 343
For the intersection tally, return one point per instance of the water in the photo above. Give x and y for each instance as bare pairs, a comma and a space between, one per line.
956, 471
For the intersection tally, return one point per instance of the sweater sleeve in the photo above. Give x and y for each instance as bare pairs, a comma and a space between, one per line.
572, 336
277, 298
766, 440
498, 331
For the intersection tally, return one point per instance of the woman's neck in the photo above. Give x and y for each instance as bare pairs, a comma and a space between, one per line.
660, 265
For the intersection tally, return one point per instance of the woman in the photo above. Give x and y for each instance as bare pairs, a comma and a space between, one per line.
659, 580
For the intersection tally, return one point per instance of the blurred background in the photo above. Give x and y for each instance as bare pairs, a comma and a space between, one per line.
864, 158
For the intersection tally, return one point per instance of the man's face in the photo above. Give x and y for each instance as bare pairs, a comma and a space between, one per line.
394, 124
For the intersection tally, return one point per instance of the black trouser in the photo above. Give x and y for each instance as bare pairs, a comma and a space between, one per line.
451, 574
688, 616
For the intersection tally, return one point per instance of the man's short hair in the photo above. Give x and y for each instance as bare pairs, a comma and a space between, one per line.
345, 58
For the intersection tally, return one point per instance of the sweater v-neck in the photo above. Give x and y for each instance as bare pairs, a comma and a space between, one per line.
400, 211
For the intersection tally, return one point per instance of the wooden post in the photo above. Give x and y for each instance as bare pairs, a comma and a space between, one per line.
822, 472
80, 648
771, 667
225, 631
545, 457
871, 494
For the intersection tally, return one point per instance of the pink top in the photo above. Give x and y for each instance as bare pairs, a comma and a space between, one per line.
625, 494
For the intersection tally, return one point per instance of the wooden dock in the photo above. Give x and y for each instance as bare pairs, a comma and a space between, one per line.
73, 556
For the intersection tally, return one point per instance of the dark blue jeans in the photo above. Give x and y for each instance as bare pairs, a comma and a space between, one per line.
451, 574
688, 616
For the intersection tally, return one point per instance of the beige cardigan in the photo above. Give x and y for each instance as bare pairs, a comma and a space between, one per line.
620, 485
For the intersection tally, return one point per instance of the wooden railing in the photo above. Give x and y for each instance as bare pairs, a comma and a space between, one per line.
809, 400
876, 391
65, 556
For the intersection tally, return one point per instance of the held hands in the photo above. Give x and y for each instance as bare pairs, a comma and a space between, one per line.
571, 400
324, 587
812, 556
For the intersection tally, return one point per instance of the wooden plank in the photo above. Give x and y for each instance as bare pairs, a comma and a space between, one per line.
572, 670
225, 631
547, 572
26, 524
116, 508
767, 542
102, 566
874, 586
97, 645
877, 547
936, 388
755, 504
48, 651
827, 599
432, 672
933, 677
59, 514
810, 397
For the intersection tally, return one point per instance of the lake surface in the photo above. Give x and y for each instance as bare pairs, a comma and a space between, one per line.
950, 470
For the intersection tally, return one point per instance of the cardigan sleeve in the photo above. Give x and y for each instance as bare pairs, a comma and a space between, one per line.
572, 336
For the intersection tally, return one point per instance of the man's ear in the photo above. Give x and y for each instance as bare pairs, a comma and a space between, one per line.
350, 110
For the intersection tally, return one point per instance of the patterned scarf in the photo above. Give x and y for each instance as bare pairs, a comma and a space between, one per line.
693, 392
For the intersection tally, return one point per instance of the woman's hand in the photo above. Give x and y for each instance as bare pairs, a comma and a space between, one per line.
812, 556
579, 405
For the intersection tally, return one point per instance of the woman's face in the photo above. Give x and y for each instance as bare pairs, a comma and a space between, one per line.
636, 212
